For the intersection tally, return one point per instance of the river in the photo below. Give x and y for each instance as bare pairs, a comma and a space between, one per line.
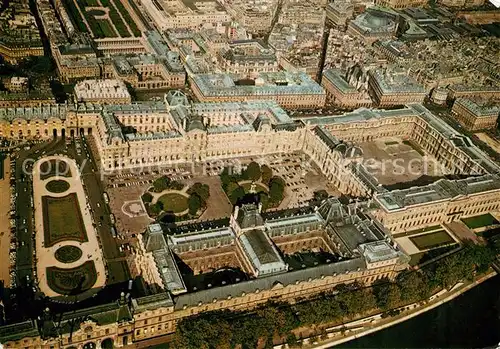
471, 320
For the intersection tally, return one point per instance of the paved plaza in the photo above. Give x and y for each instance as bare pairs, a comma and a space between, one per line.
46, 255
392, 160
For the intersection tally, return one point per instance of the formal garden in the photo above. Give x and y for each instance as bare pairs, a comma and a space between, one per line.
62, 220
72, 281
53, 168
170, 197
106, 18
57, 186
68, 254
255, 179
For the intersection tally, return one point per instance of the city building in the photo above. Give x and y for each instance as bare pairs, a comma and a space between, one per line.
26, 99
476, 114
374, 24
102, 92
172, 14
19, 36
439, 95
342, 93
462, 3
256, 16
289, 90
394, 87
160, 68
298, 46
247, 59
339, 12
400, 4
468, 91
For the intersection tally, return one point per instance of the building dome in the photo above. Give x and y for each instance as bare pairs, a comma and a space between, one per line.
373, 21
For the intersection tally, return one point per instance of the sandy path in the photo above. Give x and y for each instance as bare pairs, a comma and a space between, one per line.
5, 224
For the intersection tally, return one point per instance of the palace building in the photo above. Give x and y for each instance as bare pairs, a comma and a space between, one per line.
255, 256
289, 90
239, 266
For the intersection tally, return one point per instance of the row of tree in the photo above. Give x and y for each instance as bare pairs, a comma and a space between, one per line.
275, 321
163, 183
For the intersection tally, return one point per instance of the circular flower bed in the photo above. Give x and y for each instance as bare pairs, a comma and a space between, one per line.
68, 254
57, 186
72, 281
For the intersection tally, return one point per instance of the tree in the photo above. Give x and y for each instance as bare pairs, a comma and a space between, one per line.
264, 200
147, 197
203, 190
155, 209
253, 171
276, 189
160, 205
266, 174
414, 286
236, 195
231, 186
194, 203
320, 195
387, 294
160, 184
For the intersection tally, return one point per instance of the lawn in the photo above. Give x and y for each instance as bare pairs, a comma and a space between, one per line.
68, 254
54, 168
116, 19
432, 240
72, 281
173, 202
57, 186
480, 221
62, 220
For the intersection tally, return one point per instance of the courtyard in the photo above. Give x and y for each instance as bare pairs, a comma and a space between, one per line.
426, 243
393, 160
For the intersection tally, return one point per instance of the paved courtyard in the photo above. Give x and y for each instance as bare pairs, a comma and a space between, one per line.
391, 161
125, 203
46, 255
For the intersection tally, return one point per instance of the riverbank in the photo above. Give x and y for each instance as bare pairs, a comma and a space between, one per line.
363, 327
